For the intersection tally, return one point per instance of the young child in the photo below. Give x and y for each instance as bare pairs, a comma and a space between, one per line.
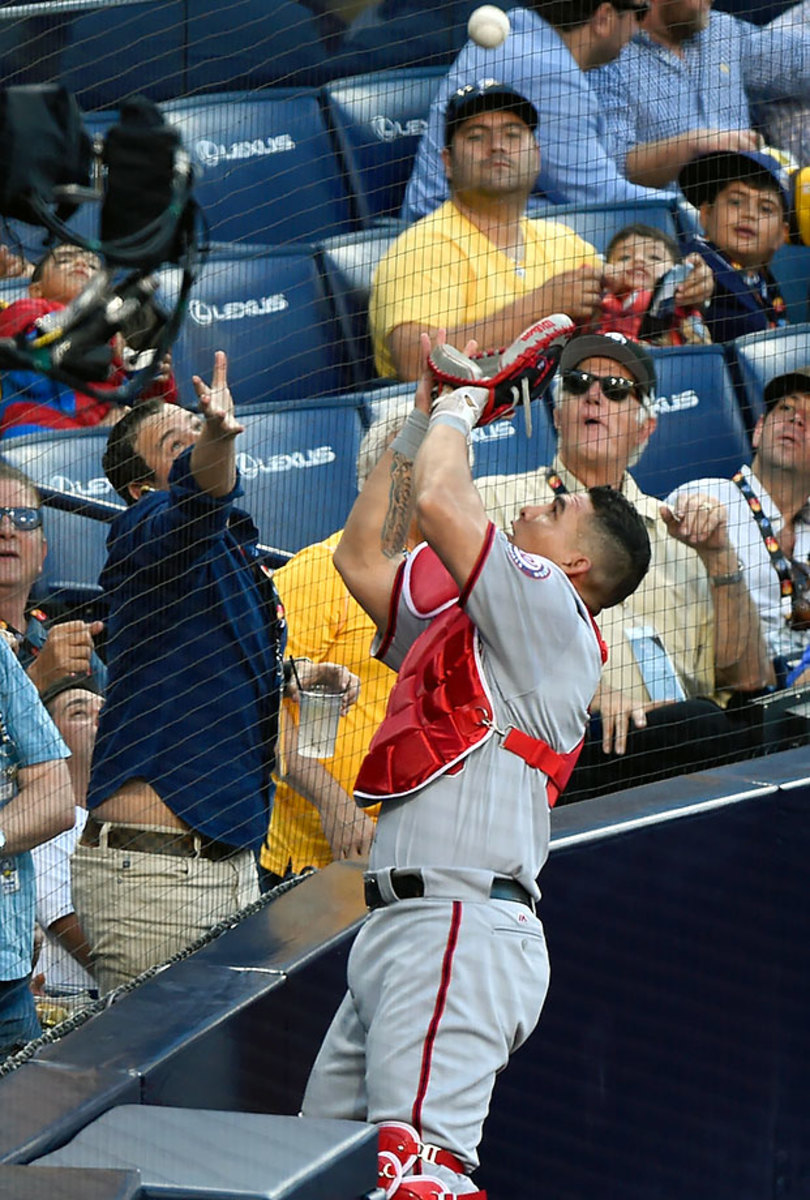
744, 201
31, 402
642, 257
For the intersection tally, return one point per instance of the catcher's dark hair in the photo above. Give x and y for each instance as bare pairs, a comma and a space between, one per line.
122, 463
15, 475
637, 229
566, 14
626, 543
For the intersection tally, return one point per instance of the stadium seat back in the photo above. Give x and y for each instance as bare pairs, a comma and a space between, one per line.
117, 51
266, 170
297, 466
597, 223
69, 462
349, 264
378, 120
272, 317
791, 267
700, 426
760, 357
501, 448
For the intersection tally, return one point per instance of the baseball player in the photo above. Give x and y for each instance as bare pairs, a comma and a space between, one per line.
498, 656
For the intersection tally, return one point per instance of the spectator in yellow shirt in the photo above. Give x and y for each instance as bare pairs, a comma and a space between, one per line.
478, 267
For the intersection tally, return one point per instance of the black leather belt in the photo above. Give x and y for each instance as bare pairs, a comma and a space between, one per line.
409, 885
154, 841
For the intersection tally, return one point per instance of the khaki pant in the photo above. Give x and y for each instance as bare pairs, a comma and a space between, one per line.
138, 909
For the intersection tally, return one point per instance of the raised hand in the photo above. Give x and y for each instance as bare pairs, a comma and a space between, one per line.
216, 401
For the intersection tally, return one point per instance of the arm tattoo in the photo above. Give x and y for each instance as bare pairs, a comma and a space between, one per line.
393, 537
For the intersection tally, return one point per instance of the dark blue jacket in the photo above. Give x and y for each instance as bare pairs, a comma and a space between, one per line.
743, 301
195, 641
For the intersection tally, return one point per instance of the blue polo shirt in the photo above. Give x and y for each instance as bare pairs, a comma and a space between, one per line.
27, 736
575, 166
194, 658
649, 92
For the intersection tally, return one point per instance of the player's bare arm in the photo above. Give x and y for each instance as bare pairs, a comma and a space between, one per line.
400, 506
366, 556
449, 509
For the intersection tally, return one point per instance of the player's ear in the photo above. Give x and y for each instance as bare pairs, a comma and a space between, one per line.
447, 161
576, 564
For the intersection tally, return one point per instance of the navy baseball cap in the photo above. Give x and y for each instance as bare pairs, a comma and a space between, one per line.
702, 178
486, 96
85, 683
621, 349
780, 386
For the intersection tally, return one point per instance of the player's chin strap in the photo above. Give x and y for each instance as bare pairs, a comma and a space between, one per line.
400, 1150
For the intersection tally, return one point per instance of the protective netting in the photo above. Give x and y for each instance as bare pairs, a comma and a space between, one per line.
304, 123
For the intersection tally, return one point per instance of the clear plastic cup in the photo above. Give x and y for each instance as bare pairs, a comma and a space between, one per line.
318, 721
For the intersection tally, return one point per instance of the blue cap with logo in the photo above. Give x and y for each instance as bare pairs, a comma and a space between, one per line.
702, 178
488, 95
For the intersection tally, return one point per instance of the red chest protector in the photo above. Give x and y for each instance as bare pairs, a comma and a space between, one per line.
439, 710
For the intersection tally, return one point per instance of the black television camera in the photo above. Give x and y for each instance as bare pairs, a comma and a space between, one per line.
141, 177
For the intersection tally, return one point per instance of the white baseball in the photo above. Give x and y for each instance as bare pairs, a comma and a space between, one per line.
488, 26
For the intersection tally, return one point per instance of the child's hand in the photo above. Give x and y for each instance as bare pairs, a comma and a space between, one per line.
697, 289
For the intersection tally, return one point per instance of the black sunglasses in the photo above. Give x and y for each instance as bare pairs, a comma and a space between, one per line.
577, 383
23, 518
640, 10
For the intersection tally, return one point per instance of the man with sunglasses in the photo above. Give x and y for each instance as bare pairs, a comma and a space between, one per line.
47, 652
552, 47
691, 628
31, 402
685, 83
769, 515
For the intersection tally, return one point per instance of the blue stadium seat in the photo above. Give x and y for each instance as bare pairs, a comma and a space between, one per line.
69, 462
597, 223
272, 317
297, 464
252, 44
501, 448
759, 357
266, 168
791, 267
378, 119
11, 290
349, 264
700, 426
115, 52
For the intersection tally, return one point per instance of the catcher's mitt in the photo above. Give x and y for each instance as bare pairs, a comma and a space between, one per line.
511, 376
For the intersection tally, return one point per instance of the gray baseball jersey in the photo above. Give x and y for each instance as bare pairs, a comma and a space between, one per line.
442, 989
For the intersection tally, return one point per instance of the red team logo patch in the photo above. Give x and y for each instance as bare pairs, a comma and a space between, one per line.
530, 564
